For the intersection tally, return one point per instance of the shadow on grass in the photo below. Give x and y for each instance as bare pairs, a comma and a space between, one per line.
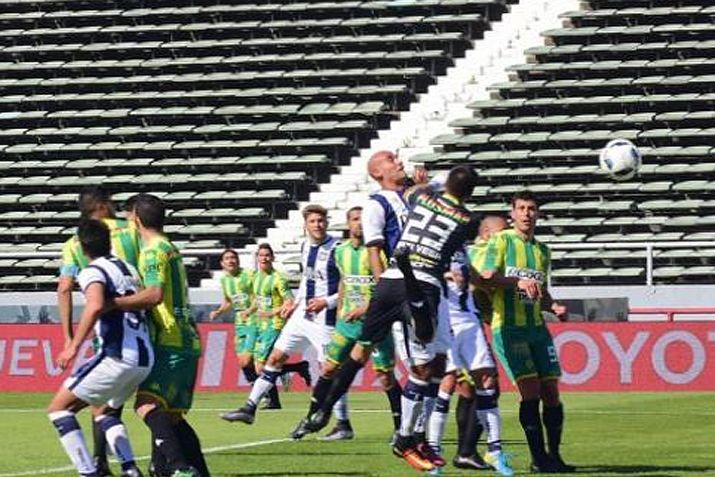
640, 469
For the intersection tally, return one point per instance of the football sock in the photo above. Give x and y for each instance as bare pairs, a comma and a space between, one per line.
292, 367
394, 395
249, 372
554, 424
412, 398
490, 417
117, 439
462, 416
341, 408
531, 423
320, 391
262, 386
341, 383
73, 441
438, 420
166, 439
99, 440
427, 406
191, 446
273, 396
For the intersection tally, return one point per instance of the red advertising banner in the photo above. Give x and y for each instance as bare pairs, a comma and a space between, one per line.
676, 356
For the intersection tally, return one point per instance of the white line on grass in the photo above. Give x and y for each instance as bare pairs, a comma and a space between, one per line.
209, 450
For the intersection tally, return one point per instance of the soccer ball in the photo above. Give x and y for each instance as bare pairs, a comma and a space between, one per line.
621, 159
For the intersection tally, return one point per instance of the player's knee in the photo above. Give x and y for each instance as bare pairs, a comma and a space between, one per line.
465, 389
550, 392
449, 382
360, 353
386, 378
421, 372
329, 369
277, 358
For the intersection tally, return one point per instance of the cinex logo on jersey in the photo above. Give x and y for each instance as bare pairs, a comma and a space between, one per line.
525, 274
359, 280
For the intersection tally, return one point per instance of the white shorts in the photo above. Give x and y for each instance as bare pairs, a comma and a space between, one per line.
470, 349
299, 333
105, 380
422, 354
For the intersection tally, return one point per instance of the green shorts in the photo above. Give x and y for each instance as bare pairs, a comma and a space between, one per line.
245, 338
345, 336
527, 352
172, 378
264, 344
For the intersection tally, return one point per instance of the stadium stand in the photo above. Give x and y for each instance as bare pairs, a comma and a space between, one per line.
613, 70
231, 113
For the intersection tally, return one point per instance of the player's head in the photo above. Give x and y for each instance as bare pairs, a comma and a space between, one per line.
387, 169
354, 218
460, 182
96, 203
129, 206
315, 218
490, 225
149, 212
94, 238
229, 261
264, 257
524, 212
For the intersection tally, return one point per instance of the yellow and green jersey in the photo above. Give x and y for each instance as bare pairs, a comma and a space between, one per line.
512, 256
125, 245
238, 289
356, 277
270, 291
161, 265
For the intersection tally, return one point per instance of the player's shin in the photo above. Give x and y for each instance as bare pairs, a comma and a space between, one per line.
192, 447
341, 383
320, 391
73, 441
99, 445
438, 420
117, 438
490, 417
531, 423
394, 396
412, 399
166, 439
265, 382
553, 417
428, 404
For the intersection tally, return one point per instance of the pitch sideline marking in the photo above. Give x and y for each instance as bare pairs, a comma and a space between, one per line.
210, 450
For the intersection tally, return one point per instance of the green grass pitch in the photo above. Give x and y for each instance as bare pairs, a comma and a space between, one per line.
607, 434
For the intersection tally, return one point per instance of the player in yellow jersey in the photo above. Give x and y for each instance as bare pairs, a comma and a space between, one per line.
237, 291
517, 265
167, 394
94, 203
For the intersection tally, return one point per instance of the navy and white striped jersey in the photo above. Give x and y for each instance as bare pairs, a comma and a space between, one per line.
320, 280
460, 300
383, 216
121, 334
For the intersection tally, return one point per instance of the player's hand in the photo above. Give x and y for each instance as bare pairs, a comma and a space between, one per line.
356, 314
287, 309
420, 175
67, 343
66, 356
457, 277
560, 310
316, 305
531, 288
213, 314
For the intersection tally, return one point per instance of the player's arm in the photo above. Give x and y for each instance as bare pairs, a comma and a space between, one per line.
375, 256
153, 270
373, 225
490, 272
68, 271
289, 302
223, 308
94, 304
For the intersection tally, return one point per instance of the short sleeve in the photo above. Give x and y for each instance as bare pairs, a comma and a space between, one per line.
88, 276
69, 266
494, 254
153, 268
282, 287
373, 222
413, 193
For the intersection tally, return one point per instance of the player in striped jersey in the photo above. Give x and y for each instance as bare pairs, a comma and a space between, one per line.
312, 313
518, 265
237, 291
354, 292
94, 203
166, 395
123, 359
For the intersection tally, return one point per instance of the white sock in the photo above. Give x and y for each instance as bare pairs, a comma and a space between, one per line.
263, 384
341, 408
117, 438
427, 407
73, 441
412, 397
438, 420
490, 418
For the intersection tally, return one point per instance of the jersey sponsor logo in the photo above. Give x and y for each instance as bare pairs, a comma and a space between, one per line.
359, 280
525, 274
